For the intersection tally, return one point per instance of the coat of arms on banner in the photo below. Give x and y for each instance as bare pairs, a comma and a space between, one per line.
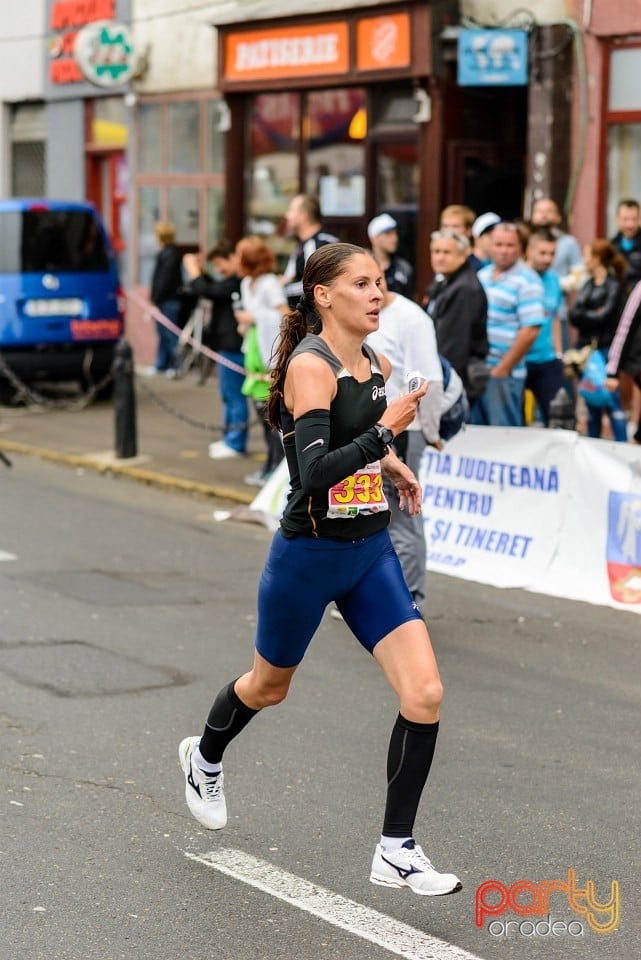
624, 546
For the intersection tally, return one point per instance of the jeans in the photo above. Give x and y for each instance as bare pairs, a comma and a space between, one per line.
235, 409
167, 340
501, 404
617, 420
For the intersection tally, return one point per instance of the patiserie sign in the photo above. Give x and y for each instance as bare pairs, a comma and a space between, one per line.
318, 49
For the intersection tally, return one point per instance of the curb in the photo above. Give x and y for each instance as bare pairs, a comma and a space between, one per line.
150, 477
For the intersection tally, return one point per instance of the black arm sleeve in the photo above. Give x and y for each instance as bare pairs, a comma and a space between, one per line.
319, 468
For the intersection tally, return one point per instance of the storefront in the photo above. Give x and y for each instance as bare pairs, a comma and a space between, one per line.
345, 107
364, 110
90, 61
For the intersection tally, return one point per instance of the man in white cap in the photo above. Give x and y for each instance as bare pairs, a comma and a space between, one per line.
383, 236
482, 239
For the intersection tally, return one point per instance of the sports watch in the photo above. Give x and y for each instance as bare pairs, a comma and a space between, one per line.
384, 434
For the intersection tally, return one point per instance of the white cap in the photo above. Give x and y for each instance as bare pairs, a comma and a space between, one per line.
483, 223
381, 224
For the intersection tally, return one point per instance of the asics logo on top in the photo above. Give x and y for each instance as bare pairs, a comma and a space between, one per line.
378, 392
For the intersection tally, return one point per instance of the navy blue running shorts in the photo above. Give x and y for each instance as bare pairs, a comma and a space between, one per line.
302, 575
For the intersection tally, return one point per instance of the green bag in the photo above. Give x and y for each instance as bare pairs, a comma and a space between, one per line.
254, 387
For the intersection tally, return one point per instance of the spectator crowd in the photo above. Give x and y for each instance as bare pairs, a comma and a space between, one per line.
517, 318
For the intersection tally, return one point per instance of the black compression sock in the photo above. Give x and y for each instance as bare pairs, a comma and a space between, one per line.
409, 759
227, 717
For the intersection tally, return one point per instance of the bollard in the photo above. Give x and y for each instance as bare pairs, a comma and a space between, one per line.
562, 413
124, 401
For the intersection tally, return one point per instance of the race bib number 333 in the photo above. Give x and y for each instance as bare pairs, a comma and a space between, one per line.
359, 494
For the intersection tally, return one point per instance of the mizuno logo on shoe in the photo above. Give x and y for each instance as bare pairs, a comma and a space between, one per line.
192, 782
402, 872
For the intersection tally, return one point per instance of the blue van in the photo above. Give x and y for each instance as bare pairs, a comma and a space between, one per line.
61, 305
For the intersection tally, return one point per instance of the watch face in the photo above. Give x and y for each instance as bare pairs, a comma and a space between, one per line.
385, 434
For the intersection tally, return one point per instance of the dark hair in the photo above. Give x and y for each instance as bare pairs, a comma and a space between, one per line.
323, 267
311, 206
255, 256
542, 234
609, 257
223, 249
628, 202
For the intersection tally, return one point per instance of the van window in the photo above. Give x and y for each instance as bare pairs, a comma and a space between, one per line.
51, 241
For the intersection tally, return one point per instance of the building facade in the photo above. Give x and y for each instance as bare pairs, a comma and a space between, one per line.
236, 105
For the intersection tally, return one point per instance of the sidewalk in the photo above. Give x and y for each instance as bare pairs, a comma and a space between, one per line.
172, 452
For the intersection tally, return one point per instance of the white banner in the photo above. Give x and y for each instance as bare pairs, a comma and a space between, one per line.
544, 510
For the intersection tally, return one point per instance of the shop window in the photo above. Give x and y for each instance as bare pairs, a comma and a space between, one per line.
28, 150
335, 128
150, 138
274, 164
215, 138
215, 217
625, 67
180, 175
148, 214
28, 169
397, 175
623, 170
183, 207
183, 135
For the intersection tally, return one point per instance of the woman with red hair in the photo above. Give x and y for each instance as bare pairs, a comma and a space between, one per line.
261, 308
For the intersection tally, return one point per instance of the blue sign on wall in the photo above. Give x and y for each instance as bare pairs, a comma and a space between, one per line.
492, 58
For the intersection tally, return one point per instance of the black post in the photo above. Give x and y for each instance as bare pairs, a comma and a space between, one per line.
124, 401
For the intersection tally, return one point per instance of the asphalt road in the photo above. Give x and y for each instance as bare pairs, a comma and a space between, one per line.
124, 609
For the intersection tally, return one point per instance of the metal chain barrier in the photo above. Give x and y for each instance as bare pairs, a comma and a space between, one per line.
31, 397
198, 347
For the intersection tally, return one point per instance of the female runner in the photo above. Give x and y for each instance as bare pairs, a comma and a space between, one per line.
328, 397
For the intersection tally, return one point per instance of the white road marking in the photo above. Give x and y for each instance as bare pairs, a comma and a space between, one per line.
7, 556
392, 935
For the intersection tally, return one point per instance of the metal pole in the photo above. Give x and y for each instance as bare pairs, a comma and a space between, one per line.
124, 401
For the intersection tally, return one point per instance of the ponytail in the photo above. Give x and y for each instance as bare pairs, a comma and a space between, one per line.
294, 328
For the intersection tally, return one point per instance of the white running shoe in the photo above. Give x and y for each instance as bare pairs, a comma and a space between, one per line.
409, 867
203, 792
220, 451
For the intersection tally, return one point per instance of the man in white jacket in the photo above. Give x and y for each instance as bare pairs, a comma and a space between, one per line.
406, 337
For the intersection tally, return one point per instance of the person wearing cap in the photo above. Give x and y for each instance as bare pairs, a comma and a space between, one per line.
383, 237
482, 239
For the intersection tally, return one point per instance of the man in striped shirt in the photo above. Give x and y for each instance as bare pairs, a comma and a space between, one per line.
514, 318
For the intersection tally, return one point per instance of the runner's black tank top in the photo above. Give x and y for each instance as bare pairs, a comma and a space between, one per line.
355, 408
